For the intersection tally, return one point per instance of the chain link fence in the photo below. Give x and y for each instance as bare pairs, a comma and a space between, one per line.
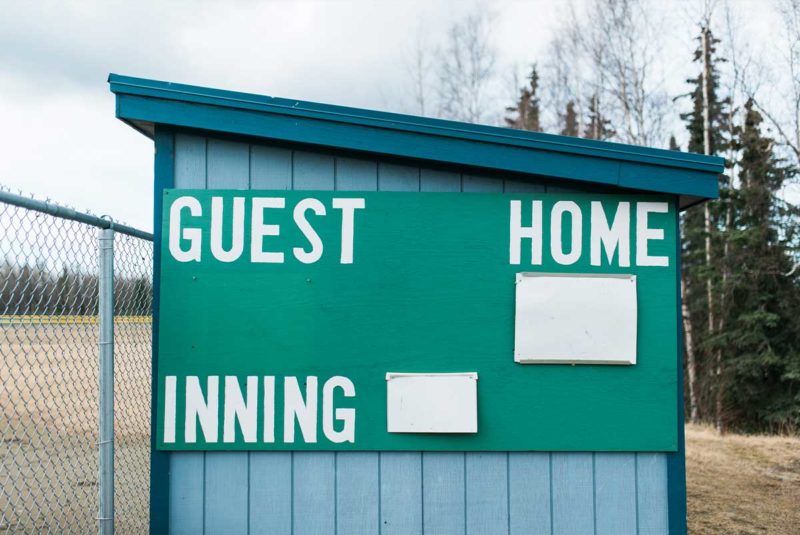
49, 370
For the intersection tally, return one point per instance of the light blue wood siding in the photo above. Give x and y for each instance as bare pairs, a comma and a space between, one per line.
395, 493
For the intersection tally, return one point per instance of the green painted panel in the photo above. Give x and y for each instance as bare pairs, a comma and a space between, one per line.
430, 288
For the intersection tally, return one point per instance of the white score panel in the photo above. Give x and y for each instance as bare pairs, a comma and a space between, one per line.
575, 319
432, 402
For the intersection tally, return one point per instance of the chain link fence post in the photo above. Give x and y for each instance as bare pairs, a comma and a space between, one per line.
106, 409
75, 371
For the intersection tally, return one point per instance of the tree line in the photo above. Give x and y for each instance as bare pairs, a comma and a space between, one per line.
603, 77
35, 289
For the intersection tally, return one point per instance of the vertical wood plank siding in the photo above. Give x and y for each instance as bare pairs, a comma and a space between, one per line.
395, 493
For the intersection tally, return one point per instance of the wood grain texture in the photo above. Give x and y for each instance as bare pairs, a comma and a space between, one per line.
270, 168
270, 485
573, 494
357, 492
651, 493
399, 489
479, 184
439, 180
186, 492
228, 165
487, 493
444, 493
314, 493
312, 171
401, 493
392, 177
516, 186
529, 493
356, 175
615, 494
226, 507
190, 161
549, 188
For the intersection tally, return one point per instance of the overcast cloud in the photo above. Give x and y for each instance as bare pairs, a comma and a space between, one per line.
59, 138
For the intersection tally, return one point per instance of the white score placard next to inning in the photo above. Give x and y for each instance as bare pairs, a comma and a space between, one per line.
432, 402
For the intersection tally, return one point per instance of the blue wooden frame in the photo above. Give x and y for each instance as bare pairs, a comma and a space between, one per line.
159, 109
676, 461
144, 103
159, 461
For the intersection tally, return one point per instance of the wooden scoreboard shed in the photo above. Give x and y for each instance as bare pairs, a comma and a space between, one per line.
373, 323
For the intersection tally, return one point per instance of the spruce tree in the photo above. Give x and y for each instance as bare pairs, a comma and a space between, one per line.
570, 118
597, 127
719, 129
763, 310
526, 110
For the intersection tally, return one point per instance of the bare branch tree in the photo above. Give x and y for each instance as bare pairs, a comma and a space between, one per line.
691, 359
607, 57
466, 69
418, 67
564, 71
784, 116
740, 67
627, 62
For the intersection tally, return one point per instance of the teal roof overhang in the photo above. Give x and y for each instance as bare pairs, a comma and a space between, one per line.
145, 103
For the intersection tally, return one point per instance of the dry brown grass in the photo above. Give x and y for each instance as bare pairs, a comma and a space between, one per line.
740, 484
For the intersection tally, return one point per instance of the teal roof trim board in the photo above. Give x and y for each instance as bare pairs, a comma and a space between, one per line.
145, 103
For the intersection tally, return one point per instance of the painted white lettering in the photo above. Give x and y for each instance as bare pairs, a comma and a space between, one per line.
294, 407
556, 223
644, 233
269, 408
169, 408
198, 408
615, 237
193, 235
236, 408
308, 257
259, 230
518, 232
347, 416
348, 208
237, 230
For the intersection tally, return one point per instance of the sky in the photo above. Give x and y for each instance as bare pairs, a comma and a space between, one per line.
58, 135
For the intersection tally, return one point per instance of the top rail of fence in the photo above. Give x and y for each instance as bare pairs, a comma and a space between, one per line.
68, 213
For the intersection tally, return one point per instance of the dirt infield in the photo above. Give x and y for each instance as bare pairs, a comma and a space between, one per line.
49, 415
